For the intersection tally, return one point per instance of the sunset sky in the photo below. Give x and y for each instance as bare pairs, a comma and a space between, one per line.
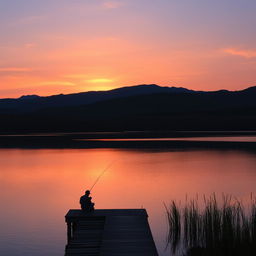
64, 46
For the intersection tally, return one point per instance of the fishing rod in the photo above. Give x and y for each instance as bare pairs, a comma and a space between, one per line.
102, 174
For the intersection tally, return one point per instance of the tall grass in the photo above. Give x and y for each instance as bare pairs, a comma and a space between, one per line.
214, 229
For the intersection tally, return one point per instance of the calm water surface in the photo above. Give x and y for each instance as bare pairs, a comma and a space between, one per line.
208, 138
39, 186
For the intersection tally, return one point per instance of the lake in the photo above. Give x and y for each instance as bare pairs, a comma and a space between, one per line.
39, 186
213, 138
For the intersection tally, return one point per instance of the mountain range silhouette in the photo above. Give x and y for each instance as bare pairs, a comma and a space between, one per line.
141, 107
34, 102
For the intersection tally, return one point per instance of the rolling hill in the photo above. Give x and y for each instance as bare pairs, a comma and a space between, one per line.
144, 107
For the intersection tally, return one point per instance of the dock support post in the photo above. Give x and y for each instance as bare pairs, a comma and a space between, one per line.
69, 231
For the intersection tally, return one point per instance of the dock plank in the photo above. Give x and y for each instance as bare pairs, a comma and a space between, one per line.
110, 232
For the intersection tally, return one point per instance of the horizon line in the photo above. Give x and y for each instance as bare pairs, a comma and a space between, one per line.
126, 86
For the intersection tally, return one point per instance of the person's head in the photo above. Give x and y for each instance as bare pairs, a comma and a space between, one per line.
87, 192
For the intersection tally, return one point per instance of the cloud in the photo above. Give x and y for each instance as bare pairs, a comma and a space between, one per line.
112, 4
29, 45
28, 20
242, 53
56, 83
14, 69
31, 19
76, 76
99, 80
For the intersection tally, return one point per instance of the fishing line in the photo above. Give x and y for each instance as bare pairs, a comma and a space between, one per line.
102, 174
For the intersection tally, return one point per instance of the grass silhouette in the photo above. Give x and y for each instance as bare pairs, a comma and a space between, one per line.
214, 229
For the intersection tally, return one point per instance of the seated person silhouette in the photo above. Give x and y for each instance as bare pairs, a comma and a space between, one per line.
86, 202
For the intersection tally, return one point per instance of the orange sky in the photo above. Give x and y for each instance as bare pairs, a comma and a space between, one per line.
71, 46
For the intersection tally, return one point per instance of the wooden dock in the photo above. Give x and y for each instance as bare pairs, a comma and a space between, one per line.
112, 232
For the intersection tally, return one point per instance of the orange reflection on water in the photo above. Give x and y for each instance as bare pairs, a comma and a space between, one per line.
38, 187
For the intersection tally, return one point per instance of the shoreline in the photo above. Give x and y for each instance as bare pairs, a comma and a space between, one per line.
59, 142
128, 139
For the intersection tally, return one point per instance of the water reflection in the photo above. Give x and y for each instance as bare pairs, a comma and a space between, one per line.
208, 138
39, 186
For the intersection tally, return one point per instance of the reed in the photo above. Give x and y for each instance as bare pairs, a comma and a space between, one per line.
227, 228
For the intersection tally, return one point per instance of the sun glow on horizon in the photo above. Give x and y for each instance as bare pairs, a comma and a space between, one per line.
99, 84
